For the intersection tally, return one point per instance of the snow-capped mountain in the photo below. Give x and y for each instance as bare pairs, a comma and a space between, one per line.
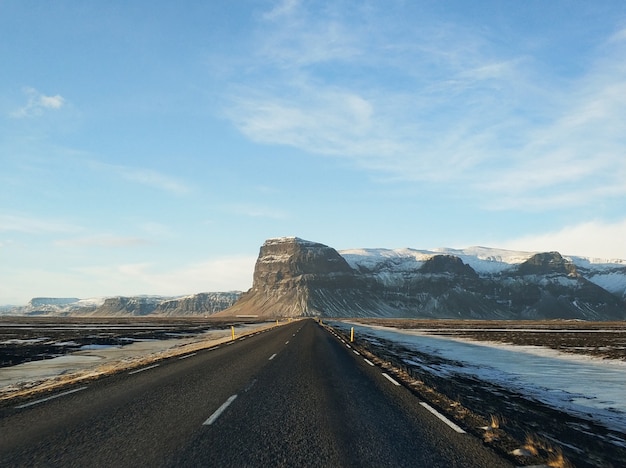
296, 277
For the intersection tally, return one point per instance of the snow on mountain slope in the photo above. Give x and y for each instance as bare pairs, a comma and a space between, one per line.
484, 260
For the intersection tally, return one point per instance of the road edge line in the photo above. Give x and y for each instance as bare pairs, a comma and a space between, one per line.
442, 417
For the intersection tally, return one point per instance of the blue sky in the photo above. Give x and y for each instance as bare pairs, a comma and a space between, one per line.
152, 149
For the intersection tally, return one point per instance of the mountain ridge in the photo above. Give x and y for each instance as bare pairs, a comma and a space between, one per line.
297, 277
475, 283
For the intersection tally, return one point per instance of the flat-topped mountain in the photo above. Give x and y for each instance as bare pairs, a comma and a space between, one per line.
294, 277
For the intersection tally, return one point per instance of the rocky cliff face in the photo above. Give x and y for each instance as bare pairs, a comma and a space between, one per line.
294, 277
291, 276
198, 304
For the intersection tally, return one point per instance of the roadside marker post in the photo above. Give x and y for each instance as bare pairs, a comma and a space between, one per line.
352, 335
232, 332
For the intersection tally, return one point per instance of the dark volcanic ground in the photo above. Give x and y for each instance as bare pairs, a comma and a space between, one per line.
583, 441
25, 339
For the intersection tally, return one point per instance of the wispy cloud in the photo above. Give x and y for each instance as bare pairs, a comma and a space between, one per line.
147, 177
103, 240
439, 103
590, 239
35, 225
211, 275
255, 211
37, 103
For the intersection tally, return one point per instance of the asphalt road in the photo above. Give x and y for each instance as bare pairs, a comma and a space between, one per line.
291, 396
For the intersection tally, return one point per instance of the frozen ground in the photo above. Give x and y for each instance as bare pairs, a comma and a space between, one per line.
569, 401
584, 386
94, 360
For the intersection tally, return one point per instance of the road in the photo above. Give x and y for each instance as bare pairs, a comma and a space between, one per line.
292, 396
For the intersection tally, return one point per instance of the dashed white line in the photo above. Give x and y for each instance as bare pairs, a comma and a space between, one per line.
348, 346
187, 356
272, 357
442, 417
143, 369
219, 411
287, 342
36, 402
369, 362
356, 352
388, 377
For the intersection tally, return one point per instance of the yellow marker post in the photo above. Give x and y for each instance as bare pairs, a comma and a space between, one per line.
232, 332
352, 335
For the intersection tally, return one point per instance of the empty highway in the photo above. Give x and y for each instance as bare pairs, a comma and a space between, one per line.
291, 396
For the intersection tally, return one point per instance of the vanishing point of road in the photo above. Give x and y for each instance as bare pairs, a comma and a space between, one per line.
291, 396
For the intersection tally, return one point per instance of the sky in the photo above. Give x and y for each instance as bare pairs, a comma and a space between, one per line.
152, 149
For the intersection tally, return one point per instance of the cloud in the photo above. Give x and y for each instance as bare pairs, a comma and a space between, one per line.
33, 225
211, 275
37, 104
153, 179
436, 102
103, 240
590, 239
256, 211
282, 9
144, 176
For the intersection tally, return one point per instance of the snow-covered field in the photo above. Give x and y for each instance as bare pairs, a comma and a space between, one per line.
580, 385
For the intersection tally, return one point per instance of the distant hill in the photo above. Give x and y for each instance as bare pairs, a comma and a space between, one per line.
294, 277
196, 304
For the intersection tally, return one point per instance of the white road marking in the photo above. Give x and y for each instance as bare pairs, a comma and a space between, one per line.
36, 402
287, 342
187, 356
219, 411
356, 352
390, 379
442, 417
272, 357
369, 362
348, 346
143, 369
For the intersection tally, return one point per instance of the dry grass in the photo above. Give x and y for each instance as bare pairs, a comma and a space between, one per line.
536, 446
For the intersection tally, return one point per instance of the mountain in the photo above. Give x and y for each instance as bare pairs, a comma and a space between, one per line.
197, 304
294, 277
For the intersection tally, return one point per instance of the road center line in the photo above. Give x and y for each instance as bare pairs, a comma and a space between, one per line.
388, 377
369, 362
272, 357
36, 402
143, 369
219, 411
442, 417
